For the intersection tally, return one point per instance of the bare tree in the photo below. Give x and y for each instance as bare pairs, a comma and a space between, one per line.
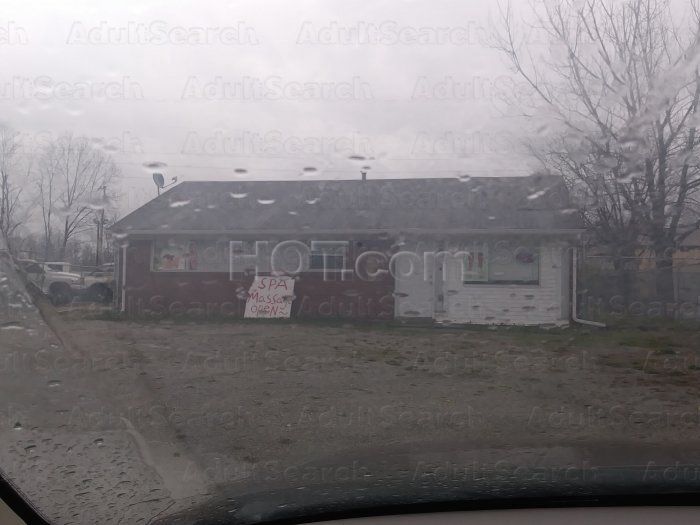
11, 170
74, 180
46, 184
619, 88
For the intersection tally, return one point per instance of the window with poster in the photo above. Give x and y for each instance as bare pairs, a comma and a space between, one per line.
190, 255
501, 262
475, 263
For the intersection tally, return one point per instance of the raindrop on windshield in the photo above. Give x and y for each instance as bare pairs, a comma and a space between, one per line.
536, 195
154, 164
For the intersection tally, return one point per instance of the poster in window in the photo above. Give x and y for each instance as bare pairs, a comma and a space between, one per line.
475, 265
189, 255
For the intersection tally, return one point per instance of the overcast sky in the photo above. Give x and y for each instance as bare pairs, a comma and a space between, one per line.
269, 87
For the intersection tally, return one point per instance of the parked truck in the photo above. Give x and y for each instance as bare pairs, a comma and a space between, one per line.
98, 284
59, 286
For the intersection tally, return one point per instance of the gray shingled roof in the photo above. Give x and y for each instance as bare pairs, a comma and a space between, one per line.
537, 202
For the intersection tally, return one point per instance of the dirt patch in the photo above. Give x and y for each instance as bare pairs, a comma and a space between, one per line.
241, 394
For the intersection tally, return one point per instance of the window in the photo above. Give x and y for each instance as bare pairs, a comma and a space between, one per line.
502, 262
33, 268
333, 261
516, 265
190, 255
475, 264
329, 256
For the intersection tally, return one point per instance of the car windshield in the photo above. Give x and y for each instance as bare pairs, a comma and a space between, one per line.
273, 260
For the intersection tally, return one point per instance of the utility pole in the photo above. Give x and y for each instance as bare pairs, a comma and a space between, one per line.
101, 225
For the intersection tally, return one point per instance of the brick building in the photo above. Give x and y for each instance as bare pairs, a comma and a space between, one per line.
479, 250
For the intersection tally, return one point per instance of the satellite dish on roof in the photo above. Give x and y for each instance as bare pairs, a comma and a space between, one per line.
159, 180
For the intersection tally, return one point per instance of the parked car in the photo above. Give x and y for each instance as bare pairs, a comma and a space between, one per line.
61, 287
57, 266
99, 283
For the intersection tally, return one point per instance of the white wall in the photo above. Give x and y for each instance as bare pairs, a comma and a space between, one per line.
489, 303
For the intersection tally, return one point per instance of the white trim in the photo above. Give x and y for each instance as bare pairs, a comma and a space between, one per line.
123, 279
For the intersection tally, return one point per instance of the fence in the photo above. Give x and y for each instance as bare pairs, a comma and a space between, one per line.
633, 291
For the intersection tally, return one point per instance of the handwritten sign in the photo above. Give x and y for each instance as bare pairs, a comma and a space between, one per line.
270, 298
